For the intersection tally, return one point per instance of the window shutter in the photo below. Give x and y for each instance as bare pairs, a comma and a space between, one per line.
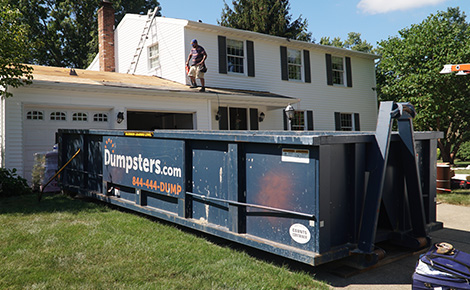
284, 72
337, 121
329, 70
222, 54
357, 126
308, 75
284, 118
250, 49
310, 120
223, 120
348, 72
254, 125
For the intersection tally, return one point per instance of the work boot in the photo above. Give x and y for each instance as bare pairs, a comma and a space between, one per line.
202, 90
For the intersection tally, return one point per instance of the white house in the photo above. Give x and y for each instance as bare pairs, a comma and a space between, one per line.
84, 99
336, 87
252, 77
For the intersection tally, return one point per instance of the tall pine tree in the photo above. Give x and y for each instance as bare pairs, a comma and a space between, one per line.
265, 16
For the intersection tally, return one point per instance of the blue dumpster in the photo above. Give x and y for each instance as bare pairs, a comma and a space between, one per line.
308, 196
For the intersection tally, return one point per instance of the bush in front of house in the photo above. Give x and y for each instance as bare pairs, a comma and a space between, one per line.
464, 151
12, 184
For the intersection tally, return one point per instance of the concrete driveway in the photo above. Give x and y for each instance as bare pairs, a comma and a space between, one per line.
397, 275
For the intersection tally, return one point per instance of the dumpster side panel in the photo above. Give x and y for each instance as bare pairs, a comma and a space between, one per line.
74, 175
285, 178
94, 163
151, 168
209, 179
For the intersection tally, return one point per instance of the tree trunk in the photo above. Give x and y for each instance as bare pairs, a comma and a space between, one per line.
446, 153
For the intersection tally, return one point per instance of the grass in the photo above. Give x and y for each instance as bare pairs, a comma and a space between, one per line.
64, 243
457, 196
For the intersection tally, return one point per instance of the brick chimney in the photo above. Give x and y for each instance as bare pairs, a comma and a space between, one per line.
106, 36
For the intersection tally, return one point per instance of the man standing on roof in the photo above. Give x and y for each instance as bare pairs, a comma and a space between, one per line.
198, 67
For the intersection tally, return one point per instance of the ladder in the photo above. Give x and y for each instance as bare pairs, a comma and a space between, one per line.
138, 51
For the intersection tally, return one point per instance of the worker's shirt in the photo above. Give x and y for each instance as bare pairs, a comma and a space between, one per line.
197, 54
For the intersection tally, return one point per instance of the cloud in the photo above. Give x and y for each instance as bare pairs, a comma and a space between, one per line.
385, 6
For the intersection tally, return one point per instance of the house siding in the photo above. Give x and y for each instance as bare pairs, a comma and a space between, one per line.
174, 36
18, 141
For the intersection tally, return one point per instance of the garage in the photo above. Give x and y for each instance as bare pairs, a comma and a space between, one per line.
42, 122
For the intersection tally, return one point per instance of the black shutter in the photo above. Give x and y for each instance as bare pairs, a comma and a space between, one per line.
329, 70
337, 121
250, 49
310, 120
222, 54
223, 119
308, 74
348, 72
254, 125
357, 126
284, 72
284, 118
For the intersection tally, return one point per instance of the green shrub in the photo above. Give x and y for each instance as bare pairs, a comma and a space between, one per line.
12, 184
464, 151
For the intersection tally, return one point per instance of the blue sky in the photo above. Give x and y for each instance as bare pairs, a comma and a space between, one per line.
376, 20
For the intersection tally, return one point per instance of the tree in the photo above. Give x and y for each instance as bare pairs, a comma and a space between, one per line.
64, 33
409, 72
265, 16
13, 49
354, 42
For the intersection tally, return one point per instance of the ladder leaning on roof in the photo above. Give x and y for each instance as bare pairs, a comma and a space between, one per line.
462, 69
148, 23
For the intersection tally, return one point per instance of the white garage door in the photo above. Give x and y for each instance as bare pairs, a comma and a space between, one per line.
41, 125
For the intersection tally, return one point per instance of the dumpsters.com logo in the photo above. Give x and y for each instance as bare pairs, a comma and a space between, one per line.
137, 162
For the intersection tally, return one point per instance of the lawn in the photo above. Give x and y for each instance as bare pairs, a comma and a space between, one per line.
65, 243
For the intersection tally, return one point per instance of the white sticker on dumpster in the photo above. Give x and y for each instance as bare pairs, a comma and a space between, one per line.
299, 233
295, 155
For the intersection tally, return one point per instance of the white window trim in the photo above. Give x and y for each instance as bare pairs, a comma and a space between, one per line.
34, 117
294, 64
353, 121
81, 116
157, 57
245, 62
60, 115
304, 126
343, 72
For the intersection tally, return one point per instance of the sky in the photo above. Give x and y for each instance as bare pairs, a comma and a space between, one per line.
375, 20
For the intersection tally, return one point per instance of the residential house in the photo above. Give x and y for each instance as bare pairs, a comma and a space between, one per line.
252, 77
336, 87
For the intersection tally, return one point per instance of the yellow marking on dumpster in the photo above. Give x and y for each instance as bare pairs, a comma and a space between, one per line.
138, 134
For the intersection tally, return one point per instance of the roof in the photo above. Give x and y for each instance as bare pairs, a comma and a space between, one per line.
57, 76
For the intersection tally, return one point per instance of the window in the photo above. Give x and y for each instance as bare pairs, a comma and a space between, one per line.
302, 120
154, 56
338, 70
80, 116
291, 65
35, 115
294, 64
58, 116
235, 56
298, 122
100, 117
347, 122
